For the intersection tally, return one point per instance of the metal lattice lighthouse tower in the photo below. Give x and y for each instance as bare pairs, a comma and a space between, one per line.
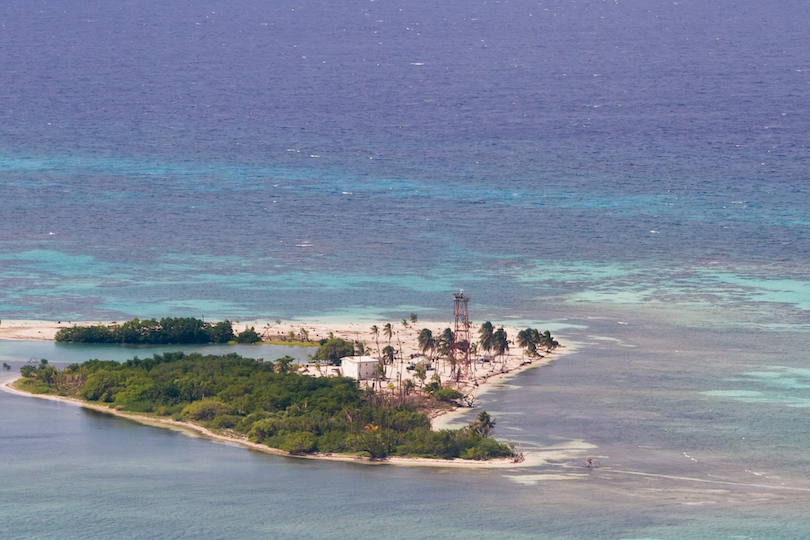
461, 336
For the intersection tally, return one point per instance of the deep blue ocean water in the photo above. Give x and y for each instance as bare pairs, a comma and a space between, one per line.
629, 174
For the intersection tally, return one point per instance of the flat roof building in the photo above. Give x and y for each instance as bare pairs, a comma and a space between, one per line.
358, 367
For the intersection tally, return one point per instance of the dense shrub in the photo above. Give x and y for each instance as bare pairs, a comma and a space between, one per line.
248, 336
225, 421
206, 409
301, 442
151, 331
448, 395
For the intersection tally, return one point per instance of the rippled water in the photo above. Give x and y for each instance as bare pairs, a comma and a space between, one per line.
630, 175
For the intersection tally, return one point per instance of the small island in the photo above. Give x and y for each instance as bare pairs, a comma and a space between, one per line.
311, 410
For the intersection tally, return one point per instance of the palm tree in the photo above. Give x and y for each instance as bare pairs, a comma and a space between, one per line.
444, 345
420, 372
400, 346
547, 341
413, 320
485, 336
426, 341
524, 338
388, 355
388, 331
501, 344
455, 372
529, 339
379, 374
376, 333
408, 386
535, 341
484, 425
472, 349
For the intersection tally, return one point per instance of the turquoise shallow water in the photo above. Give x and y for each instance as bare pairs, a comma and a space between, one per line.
631, 175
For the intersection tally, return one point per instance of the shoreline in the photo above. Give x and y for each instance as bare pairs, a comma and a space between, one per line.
486, 377
167, 423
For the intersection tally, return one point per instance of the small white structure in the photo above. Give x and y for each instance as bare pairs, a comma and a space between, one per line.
417, 360
358, 367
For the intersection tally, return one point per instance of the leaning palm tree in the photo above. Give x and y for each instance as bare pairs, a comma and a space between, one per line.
426, 340
388, 331
535, 336
376, 333
413, 319
444, 345
524, 339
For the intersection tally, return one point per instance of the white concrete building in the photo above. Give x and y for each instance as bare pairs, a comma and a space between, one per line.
358, 367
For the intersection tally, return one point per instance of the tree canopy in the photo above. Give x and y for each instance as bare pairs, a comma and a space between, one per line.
332, 350
151, 332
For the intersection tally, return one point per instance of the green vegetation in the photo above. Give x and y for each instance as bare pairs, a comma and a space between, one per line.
152, 332
531, 339
332, 350
248, 336
448, 395
268, 403
287, 343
